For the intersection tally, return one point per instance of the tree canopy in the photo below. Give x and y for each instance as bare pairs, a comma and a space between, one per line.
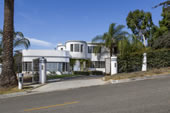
161, 35
140, 23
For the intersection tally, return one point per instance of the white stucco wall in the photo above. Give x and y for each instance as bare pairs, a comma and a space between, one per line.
61, 47
50, 55
77, 55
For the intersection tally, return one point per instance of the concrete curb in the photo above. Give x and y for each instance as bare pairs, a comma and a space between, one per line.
137, 79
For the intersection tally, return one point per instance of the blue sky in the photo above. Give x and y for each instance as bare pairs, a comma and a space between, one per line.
48, 22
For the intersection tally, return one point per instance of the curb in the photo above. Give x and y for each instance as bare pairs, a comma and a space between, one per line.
137, 79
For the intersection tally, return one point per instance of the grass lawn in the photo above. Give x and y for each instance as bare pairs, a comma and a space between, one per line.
13, 90
161, 71
9, 90
59, 76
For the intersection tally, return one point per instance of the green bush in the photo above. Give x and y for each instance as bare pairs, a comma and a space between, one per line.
81, 73
96, 73
130, 63
158, 58
133, 62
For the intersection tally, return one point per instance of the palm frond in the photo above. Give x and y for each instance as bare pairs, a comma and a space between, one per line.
18, 34
98, 38
112, 29
119, 28
163, 4
22, 42
103, 52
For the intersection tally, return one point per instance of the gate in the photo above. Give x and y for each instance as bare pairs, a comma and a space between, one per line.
35, 70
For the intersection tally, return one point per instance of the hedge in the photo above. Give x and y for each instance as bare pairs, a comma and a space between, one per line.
133, 62
130, 63
81, 73
96, 73
158, 58
88, 73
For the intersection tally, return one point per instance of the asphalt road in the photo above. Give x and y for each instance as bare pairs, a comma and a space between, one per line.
148, 96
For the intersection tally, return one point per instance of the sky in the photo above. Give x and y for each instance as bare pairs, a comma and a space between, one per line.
49, 22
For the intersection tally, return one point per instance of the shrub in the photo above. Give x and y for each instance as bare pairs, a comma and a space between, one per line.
96, 73
130, 63
155, 59
158, 58
81, 73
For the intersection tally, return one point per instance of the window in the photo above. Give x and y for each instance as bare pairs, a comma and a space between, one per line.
51, 66
71, 47
27, 66
76, 49
81, 48
57, 66
93, 49
97, 64
61, 49
90, 49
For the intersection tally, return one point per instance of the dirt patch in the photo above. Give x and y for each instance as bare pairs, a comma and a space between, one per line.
13, 90
161, 71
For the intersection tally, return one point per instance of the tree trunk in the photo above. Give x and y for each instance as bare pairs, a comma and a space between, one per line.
8, 77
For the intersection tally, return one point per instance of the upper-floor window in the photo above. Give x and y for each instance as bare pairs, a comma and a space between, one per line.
76, 47
81, 48
71, 47
90, 49
94, 49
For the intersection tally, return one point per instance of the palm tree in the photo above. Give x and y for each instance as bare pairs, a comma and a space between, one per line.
110, 40
130, 45
8, 77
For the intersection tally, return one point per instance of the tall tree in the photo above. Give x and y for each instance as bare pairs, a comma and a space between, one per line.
161, 35
165, 22
8, 77
140, 23
111, 38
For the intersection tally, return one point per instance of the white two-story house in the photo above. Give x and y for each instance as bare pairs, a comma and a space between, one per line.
71, 56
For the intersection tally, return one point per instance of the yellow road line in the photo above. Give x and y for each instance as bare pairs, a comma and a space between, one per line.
46, 107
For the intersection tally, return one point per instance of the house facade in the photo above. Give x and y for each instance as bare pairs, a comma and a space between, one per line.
71, 56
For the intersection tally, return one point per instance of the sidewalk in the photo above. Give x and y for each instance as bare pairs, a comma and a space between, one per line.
59, 85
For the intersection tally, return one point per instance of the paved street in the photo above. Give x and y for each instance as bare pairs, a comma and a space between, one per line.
148, 96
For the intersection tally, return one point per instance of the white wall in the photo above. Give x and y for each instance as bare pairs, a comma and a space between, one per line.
50, 55
60, 47
77, 55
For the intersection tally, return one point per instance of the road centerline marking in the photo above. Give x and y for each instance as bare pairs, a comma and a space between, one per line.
46, 107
